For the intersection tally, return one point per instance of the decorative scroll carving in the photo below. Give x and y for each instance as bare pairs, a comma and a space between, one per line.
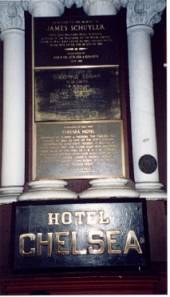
144, 12
12, 16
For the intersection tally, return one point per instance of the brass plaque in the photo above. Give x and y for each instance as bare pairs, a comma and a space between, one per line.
79, 150
77, 94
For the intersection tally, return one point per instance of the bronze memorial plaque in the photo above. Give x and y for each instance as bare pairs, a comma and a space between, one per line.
77, 94
77, 123
79, 150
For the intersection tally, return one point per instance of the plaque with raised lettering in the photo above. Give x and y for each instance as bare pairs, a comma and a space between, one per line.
59, 41
77, 120
89, 234
77, 94
79, 150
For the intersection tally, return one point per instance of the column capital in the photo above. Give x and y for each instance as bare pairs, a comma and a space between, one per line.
143, 12
99, 6
46, 7
11, 15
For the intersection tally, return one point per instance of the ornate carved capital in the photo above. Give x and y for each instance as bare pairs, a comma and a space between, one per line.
12, 15
87, 4
144, 12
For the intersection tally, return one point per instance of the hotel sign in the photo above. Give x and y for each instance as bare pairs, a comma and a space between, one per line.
76, 235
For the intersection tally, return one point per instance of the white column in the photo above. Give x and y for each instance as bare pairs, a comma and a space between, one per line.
13, 134
46, 8
47, 189
106, 187
140, 18
101, 7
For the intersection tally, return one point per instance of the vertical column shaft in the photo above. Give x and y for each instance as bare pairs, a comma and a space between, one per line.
142, 101
13, 136
47, 189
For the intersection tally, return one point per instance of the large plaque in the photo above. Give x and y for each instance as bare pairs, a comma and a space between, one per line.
77, 123
79, 150
75, 41
77, 94
83, 234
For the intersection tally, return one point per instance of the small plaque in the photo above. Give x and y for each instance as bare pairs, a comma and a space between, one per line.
147, 164
77, 94
79, 150
81, 234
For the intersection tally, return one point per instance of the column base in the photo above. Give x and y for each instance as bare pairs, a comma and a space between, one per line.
109, 188
10, 194
47, 190
151, 191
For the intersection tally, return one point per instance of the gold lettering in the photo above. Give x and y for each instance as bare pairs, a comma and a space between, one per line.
74, 247
53, 218
79, 215
90, 27
61, 243
91, 217
98, 243
132, 243
41, 243
102, 219
57, 28
66, 218
22, 238
111, 240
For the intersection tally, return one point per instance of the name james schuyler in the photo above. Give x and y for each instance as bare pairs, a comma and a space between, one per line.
66, 242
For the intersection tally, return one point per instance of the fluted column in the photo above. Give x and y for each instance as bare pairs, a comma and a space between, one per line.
13, 134
141, 16
47, 189
106, 187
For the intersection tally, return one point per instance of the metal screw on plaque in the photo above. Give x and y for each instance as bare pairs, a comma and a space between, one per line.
142, 240
147, 164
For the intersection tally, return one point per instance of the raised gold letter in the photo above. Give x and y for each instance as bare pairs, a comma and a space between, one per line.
30, 236
61, 243
132, 243
102, 219
98, 242
111, 240
74, 248
91, 217
41, 243
53, 218
68, 216
80, 215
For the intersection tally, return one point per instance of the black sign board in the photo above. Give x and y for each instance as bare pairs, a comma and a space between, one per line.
110, 233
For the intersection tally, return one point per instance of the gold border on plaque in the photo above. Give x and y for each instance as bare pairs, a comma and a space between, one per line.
116, 115
63, 67
123, 168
